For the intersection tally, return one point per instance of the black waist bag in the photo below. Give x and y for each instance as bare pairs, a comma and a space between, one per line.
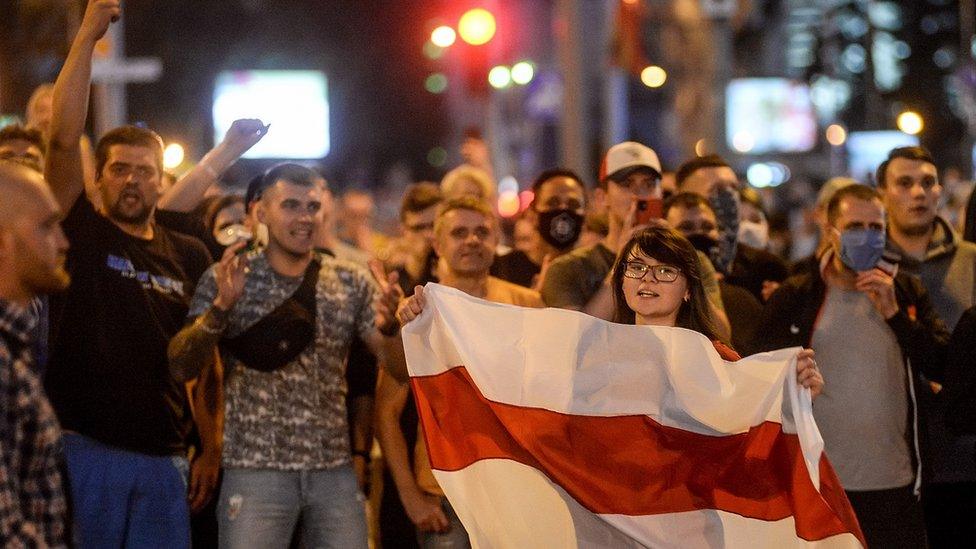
281, 335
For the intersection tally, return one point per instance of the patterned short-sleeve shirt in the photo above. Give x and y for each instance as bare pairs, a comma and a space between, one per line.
293, 418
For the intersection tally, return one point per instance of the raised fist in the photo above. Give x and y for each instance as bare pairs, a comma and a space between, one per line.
244, 134
98, 16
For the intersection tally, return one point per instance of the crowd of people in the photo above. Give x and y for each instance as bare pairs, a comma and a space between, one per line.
178, 364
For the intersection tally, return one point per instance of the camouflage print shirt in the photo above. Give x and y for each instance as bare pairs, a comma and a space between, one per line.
293, 418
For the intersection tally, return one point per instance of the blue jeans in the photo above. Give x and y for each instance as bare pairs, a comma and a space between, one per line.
456, 536
260, 507
126, 499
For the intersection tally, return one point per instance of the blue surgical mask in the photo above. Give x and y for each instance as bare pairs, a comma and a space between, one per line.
860, 249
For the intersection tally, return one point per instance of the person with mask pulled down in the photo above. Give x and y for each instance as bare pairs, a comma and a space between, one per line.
874, 330
557, 214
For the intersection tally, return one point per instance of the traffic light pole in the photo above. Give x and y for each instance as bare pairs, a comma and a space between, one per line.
572, 145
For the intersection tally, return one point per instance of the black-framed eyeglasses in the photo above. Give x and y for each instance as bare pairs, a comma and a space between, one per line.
660, 273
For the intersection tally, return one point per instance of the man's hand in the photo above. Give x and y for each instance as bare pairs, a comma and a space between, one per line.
426, 513
203, 479
244, 134
386, 301
630, 226
540, 278
98, 16
880, 289
411, 307
230, 276
807, 372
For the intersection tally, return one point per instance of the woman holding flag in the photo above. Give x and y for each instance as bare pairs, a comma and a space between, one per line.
656, 282
551, 427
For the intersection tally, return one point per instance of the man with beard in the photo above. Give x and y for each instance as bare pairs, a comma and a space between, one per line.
929, 248
465, 237
126, 419
557, 210
33, 512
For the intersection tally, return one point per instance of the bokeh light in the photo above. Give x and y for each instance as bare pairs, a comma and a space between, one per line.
523, 72
500, 77
437, 157
836, 135
508, 204
743, 141
653, 76
443, 36
910, 122
436, 83
173, 156
477, 26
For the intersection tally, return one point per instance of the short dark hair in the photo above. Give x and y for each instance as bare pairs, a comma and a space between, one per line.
420, 196
687, 201
856, 191
132, 136
909, 153
551, 173
288, 171
668, 246
698, 163
17, 132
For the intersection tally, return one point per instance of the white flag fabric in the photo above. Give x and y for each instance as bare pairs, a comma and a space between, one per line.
551, 428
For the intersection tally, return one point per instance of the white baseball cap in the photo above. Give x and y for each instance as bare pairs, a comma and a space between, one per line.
624, 158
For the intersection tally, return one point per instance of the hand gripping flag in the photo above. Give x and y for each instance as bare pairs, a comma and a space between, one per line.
551, 428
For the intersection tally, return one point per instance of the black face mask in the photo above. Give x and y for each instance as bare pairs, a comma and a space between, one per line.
703, 243
560, 228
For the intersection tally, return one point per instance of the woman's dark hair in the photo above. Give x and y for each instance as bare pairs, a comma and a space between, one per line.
667, 246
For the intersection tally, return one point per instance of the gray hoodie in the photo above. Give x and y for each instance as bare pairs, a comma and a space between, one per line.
948, 273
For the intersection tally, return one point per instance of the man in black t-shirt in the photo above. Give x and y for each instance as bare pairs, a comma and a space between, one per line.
125, 419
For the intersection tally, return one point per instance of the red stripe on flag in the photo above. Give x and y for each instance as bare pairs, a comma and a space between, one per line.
632, 465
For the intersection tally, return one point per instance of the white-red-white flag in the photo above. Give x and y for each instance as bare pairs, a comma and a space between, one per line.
550, 428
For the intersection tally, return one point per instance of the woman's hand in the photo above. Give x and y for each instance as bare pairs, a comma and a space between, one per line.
411, 307
807, 372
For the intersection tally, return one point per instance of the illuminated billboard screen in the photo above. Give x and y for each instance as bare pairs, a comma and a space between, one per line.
295, 103
769, 115
866, 150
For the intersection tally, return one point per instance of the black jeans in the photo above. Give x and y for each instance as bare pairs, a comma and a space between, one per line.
890, 518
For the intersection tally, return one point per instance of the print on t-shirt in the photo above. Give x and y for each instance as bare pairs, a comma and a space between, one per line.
159, 283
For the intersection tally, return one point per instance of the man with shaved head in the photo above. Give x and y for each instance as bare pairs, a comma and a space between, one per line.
32, 252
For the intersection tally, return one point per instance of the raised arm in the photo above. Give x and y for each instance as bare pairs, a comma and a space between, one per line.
190, 189
64, 170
